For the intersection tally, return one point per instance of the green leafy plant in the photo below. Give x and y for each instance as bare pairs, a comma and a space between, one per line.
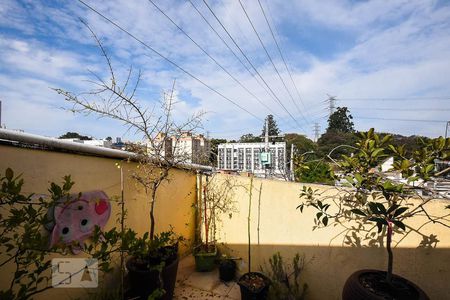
25, 243
286, 278
371, 197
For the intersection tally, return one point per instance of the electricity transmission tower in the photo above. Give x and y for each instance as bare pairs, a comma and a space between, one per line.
331, 103
316, 131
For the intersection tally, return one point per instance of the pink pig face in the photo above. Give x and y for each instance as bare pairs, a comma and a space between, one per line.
75, 220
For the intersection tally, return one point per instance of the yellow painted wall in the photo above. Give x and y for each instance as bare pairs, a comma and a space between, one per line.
39, 168
283, 228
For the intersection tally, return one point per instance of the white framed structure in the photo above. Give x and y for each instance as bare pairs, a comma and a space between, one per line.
246, 157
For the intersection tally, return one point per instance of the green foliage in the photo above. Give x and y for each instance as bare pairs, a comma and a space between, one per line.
285, 278
160, 248
273, 127
214, 149
372, 197
24, 242
332, 141
314, 172
340, 121
74, 135
249, 138
301, 143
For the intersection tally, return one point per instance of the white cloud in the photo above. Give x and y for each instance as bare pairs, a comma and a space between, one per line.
396, 49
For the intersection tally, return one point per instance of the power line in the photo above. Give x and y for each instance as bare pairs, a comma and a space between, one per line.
404, 120
282, 57
395, 99
229, 48
248, 60
270, 58
212, 58
168, 60
402, 109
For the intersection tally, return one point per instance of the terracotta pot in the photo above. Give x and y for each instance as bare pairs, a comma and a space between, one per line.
357, 287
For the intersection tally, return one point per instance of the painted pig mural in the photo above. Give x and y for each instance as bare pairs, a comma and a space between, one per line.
75, 220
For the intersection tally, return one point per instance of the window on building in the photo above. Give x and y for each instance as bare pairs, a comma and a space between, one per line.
229, 159
272, 158
221, 158
256, 161
248, 158
280, 156
240, 159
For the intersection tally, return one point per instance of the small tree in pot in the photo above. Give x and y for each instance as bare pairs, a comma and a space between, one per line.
157, 154
374, 198
253, 285
216, 201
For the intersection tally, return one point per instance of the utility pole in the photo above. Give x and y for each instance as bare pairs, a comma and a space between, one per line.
446, 127
266, 156
0, 113
332, 103
266, 148
316, 131
292, 163
266, 136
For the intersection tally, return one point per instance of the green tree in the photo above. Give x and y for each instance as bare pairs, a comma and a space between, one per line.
214, 149
315, 172
335, 142
273, 127
372, 198
249, 138
340, 121
75, 135
411, 143
301, 143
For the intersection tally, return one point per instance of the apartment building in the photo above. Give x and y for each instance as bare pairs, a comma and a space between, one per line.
191, 148
250, 157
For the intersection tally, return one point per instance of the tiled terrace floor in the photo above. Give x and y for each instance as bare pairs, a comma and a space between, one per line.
205, 285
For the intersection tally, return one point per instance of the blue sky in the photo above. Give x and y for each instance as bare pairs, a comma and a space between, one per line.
359, 51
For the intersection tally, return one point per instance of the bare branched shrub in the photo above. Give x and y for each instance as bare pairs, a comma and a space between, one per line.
155, 126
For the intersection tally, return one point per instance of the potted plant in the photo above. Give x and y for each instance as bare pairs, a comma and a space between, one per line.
152, 266
205, 254
216, 201
372, 197
157, 154
286, 278
227, 268
253, 285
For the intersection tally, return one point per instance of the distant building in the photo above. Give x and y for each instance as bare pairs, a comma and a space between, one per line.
189, 147
99, 143
119, 145
246, 157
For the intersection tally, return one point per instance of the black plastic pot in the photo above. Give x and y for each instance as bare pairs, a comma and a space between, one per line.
227, 270
143, 282
401, 289
249, 293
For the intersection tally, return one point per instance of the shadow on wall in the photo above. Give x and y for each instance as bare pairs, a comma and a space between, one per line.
329, 267
421, 253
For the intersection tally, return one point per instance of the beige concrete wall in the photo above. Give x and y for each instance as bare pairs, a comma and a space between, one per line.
39, 168
283, 228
